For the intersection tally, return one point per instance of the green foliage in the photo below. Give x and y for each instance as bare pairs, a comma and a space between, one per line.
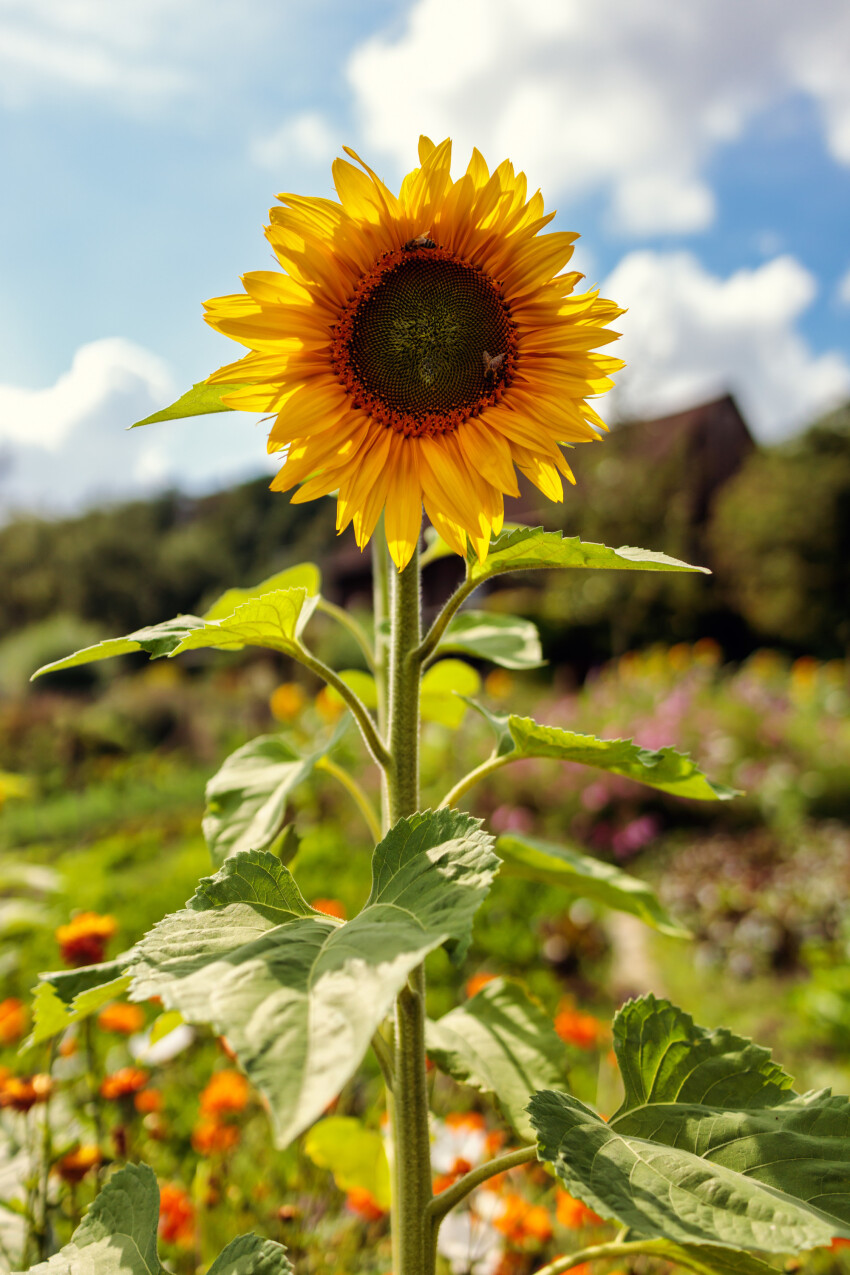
354, 1154
306, 575
530, 548
297, 994
501, 1043
502, 639
710, 1146
118, 1237
52, 1015
248, 798
200, 400
443, 690
585, 878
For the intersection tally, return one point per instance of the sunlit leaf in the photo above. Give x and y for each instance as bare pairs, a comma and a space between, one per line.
275, 620
156, 641
503, 639
363, 684
354, 1154
502, 1043
529, 548
306, 575
164, 1024
710, 1147
442, 690
200, 400
585, 878
297, 994
51, 1015
663, 768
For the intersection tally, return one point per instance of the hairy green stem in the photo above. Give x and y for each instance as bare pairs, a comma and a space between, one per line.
356, 630
428, 646
413, 1251
359, 710
359, 797
452, 1196
473, 777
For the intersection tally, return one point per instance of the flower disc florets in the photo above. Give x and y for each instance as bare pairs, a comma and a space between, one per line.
419, 349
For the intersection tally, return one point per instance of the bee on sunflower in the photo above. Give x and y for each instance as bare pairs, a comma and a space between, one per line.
419, 349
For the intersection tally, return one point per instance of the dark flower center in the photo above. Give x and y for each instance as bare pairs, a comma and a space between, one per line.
425, 342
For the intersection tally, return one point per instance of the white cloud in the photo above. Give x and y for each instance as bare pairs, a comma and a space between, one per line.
690, 335
67, 445
305, 139
628, 99
843, 290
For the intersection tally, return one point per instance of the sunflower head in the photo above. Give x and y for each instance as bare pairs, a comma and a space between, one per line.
419, 349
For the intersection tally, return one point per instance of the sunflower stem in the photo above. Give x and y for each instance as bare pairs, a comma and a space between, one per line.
413, 1248
427, 649
473, 777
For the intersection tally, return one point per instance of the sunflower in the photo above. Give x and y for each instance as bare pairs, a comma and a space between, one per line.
419, 349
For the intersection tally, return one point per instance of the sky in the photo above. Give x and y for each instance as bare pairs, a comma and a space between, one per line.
701, 149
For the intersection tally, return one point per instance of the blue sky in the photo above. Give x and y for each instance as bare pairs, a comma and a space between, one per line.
702, 150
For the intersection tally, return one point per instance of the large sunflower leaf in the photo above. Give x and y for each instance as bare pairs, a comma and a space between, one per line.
585, 878
443, 691
664, 1057
247, 799
200, 400
501, 1043
297, 994
274, 620
665, 768
708, 1259
156, 640
503, 639
666, 1192
711, 1145
306, 575
354, 1154
528, 548
118, 1236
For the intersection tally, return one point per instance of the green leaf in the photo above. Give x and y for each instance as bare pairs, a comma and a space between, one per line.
528, 548
275, 620
200, 400
68, 984
363, 684
708, 1259
51, 1015
251, 1255
664, 768
304, 576
503, 639
248, 798
664, 1057
711, 1145
355, 1156
164, 1024
156, 640
298, 994
585, 878
444, 689
501, 1043
118, 1237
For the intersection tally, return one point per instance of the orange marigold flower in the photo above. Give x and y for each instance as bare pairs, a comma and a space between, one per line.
581, 1030
839, 1242
363, 1203
22, 1092
465, 1120
331, 907
121, 1018
226, 1092
148, 1102
83, 940
478, 981
74, 1166
572, 1213
123, 1083
176, 1216
287, 701
521, 1222
13, 1020
213, 1137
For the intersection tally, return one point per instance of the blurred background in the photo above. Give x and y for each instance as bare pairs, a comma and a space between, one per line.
703, 152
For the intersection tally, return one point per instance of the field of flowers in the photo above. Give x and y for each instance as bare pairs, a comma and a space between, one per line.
100, 804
